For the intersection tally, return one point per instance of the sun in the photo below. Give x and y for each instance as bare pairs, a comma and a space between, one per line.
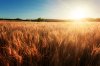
78, 13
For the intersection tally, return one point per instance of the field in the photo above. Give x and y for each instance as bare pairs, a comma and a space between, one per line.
49, 43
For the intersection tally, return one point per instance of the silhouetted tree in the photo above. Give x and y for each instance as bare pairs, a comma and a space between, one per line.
40, 19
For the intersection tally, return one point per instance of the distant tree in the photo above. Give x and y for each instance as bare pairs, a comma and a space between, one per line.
40, 19
18, 19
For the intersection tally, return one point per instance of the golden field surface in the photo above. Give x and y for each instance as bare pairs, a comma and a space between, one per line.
49, 43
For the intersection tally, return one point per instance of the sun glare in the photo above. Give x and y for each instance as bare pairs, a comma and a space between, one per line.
78, 13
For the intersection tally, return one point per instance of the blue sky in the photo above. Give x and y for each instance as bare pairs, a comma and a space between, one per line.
45, 8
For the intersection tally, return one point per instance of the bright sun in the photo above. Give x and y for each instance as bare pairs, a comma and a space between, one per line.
78, 13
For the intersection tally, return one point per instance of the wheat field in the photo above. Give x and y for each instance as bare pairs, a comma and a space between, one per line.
49, 43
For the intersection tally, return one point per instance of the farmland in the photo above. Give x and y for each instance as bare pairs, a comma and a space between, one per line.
49, 43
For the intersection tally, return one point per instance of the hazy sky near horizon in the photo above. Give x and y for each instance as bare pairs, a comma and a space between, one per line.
46, 8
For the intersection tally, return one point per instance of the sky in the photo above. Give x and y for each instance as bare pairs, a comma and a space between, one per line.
29, 9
